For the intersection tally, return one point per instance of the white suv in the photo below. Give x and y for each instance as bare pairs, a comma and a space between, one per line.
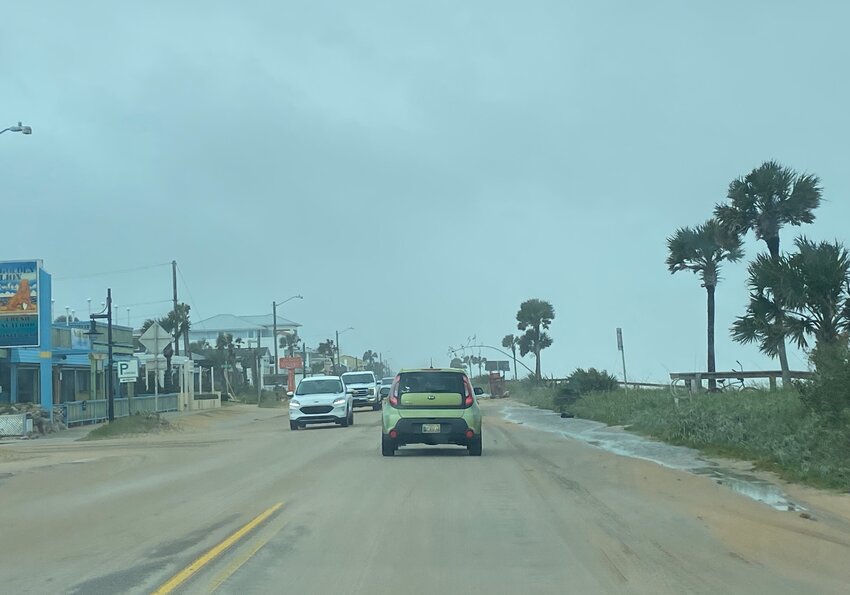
363, 387
320, 400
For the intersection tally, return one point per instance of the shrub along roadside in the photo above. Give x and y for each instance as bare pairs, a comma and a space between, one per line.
148, 423
775, 430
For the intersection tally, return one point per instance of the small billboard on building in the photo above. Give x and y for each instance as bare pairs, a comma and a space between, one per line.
19, 304
497, 365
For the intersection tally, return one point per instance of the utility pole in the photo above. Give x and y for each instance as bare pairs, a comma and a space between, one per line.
274, 336
259, 373
110, 398
337, 351
176, 329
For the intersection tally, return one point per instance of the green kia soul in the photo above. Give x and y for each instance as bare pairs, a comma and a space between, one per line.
431, 406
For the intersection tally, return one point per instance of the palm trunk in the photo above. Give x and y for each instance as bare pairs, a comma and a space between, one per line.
514, 354
537, 353
783, 365
712, 383
773, 248
537, 365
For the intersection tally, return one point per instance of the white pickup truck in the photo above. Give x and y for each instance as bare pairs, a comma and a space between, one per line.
363, 387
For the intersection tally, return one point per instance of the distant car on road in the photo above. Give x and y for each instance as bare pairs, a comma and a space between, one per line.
431, 406
363, 387
480, 393
320, 400
385, 386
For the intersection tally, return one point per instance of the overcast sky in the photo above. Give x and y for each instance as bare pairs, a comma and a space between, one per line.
415, 169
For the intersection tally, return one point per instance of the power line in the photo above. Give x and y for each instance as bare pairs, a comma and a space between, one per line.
80, 308
193, 304
114, 272
146, 303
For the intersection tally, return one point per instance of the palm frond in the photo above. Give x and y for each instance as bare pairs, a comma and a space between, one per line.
701, 249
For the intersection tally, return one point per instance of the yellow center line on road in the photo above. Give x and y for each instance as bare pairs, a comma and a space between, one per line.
184, 575
237, 563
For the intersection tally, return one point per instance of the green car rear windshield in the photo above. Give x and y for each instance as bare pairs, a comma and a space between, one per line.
431, 382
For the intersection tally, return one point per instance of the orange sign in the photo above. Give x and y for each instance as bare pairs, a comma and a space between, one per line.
290, 363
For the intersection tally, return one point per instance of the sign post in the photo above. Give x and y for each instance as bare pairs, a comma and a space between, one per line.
128, 372
155, 340
623, 355
290, 364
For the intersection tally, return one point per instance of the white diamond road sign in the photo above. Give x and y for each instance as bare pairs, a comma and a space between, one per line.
155, 339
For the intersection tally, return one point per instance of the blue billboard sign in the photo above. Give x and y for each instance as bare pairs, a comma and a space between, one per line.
19, 303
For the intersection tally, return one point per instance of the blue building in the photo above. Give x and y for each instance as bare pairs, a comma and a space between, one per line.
77, 365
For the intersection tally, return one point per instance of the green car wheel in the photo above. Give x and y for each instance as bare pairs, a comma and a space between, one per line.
475, 447
387, 446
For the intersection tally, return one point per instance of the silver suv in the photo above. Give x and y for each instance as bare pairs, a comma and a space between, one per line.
363, 387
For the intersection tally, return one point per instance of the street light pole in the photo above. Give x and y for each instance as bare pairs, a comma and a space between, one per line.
338, 352
110, 399
274, 327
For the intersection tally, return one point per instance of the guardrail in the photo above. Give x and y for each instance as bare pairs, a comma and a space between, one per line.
93, 411
642, 385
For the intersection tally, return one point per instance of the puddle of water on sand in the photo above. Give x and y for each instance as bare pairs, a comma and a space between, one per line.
626, 444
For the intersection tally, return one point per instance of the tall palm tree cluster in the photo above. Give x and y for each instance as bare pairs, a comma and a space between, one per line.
372, 361
534, 317
796, 296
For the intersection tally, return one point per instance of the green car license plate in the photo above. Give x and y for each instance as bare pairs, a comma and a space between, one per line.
430, 428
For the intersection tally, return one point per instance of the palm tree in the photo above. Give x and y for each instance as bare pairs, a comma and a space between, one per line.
468, 360
65, 319
477, 360
809, 290
510, 342
529, 343
328, 349
225, 357
702, 250
535, 316
178, 319
147, 324
289, 342
198, 346
764, 201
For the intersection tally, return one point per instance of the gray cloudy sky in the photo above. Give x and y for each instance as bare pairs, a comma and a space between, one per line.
415, 169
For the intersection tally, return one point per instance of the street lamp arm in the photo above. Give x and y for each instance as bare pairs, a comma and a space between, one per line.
274, 329
19, 128
294, 297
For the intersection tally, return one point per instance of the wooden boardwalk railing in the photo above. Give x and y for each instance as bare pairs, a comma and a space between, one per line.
694, 379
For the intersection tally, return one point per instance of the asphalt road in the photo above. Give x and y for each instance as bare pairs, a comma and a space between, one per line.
238, 503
